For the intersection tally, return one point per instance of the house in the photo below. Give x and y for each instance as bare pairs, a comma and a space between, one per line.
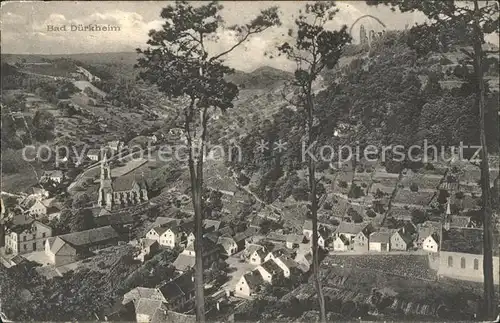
115, 145
257, 256
228, 245
27, 237
380, 241
248, 285
178, 291
171, 237
293, 241
270, 271
186, 259
275, 237
425, 230
56, 176
304, 260
356, 233
287, 264
241, 240
341, 243
431, 243
324, 237
401, 240
307, 230
94, 154
147, 248
40, 192
278, 252
67, 248
461, 255
211, 225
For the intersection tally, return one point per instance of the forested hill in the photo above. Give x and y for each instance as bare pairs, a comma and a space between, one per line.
383, 95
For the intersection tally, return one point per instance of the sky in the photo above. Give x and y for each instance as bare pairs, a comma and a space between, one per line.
24, 26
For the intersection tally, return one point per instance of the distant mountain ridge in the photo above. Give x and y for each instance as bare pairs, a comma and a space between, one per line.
261, 78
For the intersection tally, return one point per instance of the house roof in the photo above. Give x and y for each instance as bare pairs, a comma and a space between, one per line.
350, 228
212, 236
52, 173
142, 292
294, 238
250, 249
344, 239
163, 315
226, 242
434, 236
89, 237
184, 262
459, 221
211, 223
160, 230
464, 240
226, 231
427, 228
56, 244
405, 236
254, 279
113, 219
261, 253
289, 263
146, 243
241, 236
276, 236
380, 237
271, 267
125, 183
179, 286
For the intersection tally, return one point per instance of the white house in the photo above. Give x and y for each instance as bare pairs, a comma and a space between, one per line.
257, 257
229, 245
431, 243
341, 243
53, 175
270, 270
286, 264
171, 237
380, 241
147, 246
94, 154
249, 284
27, 237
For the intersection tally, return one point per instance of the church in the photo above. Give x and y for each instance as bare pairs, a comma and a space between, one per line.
120, 192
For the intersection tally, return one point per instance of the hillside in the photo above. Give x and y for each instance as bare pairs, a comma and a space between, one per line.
265, 77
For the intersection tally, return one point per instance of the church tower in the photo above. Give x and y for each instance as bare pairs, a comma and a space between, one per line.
106, 187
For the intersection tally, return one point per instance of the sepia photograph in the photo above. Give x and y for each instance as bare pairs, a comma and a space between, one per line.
250, 161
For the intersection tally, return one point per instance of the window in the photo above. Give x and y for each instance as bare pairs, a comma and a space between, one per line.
43, 235
462, 262
450, 261
24, 246
241, 288
476, 264
24, 238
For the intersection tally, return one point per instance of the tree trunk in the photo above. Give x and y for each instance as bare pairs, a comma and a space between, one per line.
314, 208
489, 288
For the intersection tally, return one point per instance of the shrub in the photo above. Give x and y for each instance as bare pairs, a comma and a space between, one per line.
343, 184
413, 187
459, 195
327, 206
370, 213
355, 192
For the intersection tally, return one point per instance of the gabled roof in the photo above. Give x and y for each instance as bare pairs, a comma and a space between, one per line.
89, 237
434, 236
254, 279
211, 223
250, 249
113, 219
294, 238
94, 152
146, 243
160, 230
261, 253
271, 267
142, 292
464, 240
343, 238
405, 236
179, 286
226, 242
276, 237
350, 228
125, 183
288, 262
226, 231
380, 237
184, 262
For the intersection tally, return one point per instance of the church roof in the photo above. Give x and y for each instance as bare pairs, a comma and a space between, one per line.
125, 183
